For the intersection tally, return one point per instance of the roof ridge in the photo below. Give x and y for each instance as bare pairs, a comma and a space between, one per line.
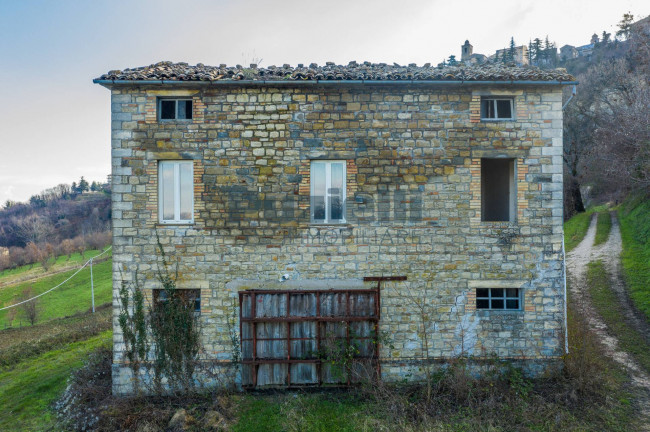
180, 71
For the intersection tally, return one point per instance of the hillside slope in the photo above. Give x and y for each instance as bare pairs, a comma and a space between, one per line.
634, 216
72, 297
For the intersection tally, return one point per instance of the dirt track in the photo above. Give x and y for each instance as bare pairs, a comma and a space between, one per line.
609, 253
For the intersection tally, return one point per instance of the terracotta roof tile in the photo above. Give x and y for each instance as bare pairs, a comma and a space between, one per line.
353, 71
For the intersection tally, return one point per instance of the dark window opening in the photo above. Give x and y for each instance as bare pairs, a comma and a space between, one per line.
497, 190
494, 109
498, 298
191, 296
175, 109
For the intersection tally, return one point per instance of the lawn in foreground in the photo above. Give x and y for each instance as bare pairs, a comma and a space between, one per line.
29, 388
329, 412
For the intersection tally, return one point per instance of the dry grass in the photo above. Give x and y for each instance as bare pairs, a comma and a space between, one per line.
588, 395
89, 405
17, 344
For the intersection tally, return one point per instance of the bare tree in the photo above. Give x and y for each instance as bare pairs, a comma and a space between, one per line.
623, 141
11, 314
607, 127
5, 261
81, 245
31, 308
47, 256
33, 228
581, 119
33, 252
620, 155
67, 247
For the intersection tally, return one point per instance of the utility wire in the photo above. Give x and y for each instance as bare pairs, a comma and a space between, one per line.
52, 289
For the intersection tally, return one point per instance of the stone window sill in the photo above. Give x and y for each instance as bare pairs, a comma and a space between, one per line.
488, 312
329, 225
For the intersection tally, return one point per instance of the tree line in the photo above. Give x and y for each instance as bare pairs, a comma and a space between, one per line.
45, 253
607, 123
58, 221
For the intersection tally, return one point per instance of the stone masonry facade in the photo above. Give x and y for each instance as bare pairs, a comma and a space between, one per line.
413, 162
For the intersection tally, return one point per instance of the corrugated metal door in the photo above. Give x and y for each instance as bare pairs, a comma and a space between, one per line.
299, 338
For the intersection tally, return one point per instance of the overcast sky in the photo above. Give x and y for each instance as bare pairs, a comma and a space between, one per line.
55, 123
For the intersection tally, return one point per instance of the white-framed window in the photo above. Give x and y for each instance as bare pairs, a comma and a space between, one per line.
498, 298
176, 191
328, 183
497, 108
174, 109
498, 190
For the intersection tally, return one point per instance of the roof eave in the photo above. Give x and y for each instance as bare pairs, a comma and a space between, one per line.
239, 83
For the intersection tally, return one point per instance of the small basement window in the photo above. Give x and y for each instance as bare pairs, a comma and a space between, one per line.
497, 108
191, 296
498, 190
175, 109
498, 298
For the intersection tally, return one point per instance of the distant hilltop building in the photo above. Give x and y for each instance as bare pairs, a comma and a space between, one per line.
468, 57
520, 56
545, 54
568, 52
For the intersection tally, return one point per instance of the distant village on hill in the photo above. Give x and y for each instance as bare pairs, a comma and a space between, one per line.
544, 53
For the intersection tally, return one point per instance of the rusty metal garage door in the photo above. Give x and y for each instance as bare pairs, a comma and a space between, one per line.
298, 338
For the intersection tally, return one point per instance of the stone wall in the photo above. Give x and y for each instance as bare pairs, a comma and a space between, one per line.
413, 208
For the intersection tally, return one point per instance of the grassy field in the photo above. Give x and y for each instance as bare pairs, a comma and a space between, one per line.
306, 413
69, 299
28, 388
634, 217
603, 227
606, 302
10, 276
17, 344
36, 361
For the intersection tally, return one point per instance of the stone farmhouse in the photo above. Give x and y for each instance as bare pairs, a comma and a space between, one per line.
355, 203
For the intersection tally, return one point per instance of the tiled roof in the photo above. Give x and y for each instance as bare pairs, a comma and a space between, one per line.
366, 71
